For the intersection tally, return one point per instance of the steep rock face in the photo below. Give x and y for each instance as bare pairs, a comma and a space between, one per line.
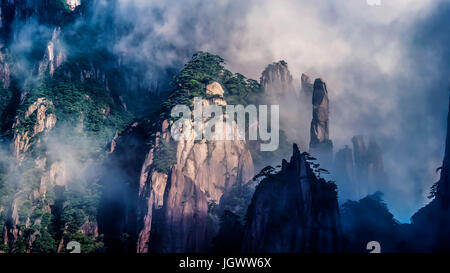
119, 205
177, 197
320, 144
54, 56
293, 211
369, 166
57, 127
44, 122
56, 148
277, 81
29, 129
430, 225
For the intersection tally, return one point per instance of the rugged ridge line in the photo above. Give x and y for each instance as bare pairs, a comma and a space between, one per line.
293, 211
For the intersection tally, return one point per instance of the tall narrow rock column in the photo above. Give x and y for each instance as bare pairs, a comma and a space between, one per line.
320, 145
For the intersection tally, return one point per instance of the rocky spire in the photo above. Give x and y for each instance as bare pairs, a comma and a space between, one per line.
54, 55
320, 144
277, 80
293, 211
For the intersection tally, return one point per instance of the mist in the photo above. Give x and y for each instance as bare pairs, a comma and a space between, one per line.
382, 64
385, 66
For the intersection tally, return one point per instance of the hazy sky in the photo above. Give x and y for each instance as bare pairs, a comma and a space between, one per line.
386, 66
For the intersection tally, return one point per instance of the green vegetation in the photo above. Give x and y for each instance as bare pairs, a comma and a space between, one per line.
203, 69
30, 176
44, 243
88, 116
82, 204
165, 156
4, 186
79, 105
369, 219
24, 210
45, 240
6, 95
237, 199
89, 244
10, 97
71, 209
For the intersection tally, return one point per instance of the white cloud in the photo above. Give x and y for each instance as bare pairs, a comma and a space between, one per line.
363, 52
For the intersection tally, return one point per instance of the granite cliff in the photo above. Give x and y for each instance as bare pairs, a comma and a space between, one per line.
200, 174
277, 81
293, 211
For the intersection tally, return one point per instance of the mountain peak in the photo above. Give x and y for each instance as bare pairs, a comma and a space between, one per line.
277, 80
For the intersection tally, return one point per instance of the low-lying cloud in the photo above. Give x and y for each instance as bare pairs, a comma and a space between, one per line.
385, 66
381, 63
